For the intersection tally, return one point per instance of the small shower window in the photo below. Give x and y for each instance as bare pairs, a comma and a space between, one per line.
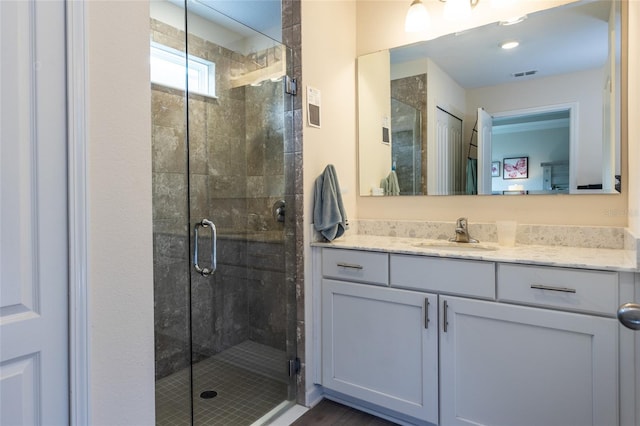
169, 68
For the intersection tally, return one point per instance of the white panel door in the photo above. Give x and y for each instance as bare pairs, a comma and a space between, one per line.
516, 365
485, 130
33, 215
447, 170
456, 165
378, 346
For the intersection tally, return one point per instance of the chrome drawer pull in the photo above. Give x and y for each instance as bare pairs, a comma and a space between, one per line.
546, 287
350, 266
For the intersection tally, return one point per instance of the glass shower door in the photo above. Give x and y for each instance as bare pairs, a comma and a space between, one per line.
242, 302
225, 296
171, 256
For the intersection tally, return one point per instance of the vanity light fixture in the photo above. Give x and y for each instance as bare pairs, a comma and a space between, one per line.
417, 18
456, 10
502, 4
507, 45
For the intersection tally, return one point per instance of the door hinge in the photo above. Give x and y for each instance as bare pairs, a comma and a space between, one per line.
294, 367
290, 85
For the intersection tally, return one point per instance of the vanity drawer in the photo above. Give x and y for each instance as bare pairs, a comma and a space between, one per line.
573, 289
451, 276
353, 265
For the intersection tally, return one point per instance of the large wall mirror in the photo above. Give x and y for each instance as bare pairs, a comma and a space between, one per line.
461, 115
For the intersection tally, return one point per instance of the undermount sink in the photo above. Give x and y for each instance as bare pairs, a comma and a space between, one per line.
453, 246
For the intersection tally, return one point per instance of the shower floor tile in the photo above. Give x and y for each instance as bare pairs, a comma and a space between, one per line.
243, 394
260, 359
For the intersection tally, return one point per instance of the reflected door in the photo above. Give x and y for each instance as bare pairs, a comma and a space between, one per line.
446, 177
484, 151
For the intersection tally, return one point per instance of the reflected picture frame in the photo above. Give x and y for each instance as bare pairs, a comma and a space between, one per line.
515, 168
522, 192
495, 169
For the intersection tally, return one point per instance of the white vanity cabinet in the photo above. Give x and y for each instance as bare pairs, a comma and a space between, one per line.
504, 364
505, 344
379, 345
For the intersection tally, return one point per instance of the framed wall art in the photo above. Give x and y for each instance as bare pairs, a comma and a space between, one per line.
515, 168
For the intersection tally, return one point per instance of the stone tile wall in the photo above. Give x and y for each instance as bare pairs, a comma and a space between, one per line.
608, 237
413, 92
294, 228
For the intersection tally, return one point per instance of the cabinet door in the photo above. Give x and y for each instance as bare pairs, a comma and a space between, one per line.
380, 345
517, 365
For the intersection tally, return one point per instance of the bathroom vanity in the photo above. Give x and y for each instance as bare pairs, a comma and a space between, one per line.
423, 333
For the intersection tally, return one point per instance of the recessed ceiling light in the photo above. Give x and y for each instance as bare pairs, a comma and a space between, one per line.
513, 21
509, 45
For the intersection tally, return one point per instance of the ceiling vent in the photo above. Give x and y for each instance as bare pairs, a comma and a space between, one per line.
524, 73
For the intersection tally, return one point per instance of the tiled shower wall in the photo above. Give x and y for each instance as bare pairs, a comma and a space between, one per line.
413, 92
236, 175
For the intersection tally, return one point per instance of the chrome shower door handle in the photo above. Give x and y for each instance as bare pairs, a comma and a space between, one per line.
205, 223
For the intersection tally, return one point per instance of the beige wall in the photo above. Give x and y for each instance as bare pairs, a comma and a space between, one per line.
328, 64
120, 274
609, 210
634, 113
374, 92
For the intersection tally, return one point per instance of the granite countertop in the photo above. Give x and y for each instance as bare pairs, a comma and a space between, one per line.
573, 257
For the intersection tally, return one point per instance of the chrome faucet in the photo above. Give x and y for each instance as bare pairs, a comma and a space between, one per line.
462, 232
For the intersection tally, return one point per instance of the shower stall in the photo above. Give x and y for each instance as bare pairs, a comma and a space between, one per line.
224, 247
409, 131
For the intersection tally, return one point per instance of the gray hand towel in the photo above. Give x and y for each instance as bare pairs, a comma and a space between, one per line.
329, 217
394, 187
390, 185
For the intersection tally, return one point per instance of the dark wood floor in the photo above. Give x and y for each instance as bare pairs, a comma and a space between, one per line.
329, 413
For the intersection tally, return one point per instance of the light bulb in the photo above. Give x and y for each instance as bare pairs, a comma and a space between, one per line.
509, 45
502, 4
417, 17
455, 10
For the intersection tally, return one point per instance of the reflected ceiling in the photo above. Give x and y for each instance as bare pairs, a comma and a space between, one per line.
264, 16
546, 40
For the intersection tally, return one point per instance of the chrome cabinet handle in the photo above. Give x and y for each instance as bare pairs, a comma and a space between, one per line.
350, 265
445, 312
426, 312
629, 315
205, 223
546, 287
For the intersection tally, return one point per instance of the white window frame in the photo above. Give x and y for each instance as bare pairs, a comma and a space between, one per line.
201, 71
